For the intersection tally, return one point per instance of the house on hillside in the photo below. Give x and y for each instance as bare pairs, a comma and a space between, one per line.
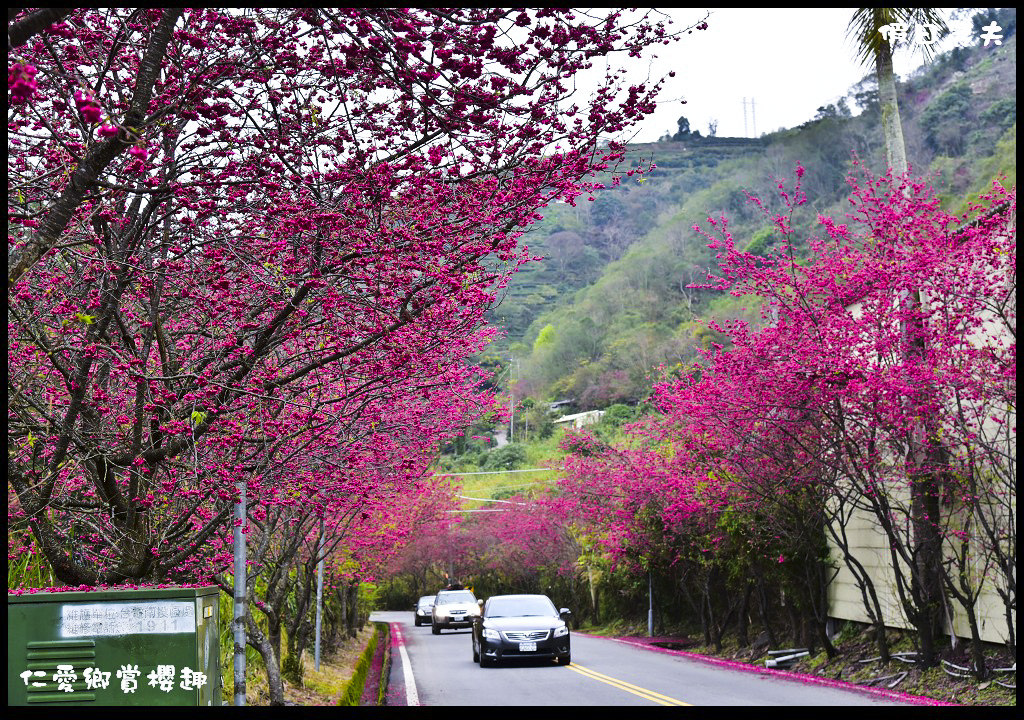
578, 420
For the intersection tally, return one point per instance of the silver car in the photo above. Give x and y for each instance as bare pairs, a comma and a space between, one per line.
453, 609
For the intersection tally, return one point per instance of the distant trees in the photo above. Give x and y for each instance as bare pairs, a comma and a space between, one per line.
947, 120
838, 110
684, 132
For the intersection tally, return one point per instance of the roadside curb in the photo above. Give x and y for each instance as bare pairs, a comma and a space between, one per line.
646, 643
403, 693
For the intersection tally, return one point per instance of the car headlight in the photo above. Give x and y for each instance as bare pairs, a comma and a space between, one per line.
490, 634
560, 631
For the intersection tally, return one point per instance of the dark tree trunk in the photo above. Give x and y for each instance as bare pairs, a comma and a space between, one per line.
744, 616
259, 641
766, 613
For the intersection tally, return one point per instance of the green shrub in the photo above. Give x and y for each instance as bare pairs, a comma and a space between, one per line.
1002, 114
354, 690
508, 457
618, 414
385, 669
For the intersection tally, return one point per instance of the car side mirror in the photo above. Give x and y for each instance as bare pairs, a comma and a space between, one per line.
565, 613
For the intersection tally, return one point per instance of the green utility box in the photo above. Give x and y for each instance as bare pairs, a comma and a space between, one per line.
156, 646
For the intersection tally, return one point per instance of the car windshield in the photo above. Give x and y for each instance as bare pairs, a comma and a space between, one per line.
427, 601
525, 606
457, 596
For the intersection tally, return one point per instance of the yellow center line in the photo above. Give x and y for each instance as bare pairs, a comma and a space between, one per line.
628, 687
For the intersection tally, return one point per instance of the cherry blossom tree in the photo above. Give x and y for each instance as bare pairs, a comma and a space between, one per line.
842, 352
236, 233
815, 416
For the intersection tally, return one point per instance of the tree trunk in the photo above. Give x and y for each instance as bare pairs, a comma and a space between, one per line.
259, 641
705, 615
895, 149
766, 613
342, 594
924, 502
593, 595
274, 632
744, 619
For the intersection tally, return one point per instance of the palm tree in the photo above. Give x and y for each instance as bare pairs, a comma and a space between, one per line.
925, 605
872, 46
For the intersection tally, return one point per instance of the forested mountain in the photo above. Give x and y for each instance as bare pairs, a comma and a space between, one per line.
609, 304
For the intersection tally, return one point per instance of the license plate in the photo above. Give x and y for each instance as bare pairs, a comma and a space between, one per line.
528, 647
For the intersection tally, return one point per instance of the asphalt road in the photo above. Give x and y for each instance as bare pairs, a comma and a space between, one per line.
441, 671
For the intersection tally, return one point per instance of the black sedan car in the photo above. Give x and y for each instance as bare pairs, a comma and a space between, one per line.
421, 611
520, 627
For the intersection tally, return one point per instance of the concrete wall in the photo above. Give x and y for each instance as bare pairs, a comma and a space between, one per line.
870, 546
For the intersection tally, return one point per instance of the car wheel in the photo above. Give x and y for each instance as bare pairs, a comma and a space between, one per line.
416, 621
436, 629
476, 654
563, 659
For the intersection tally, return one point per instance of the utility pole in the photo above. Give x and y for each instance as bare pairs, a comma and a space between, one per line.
239, 596
512, 404
650, 603
319, 595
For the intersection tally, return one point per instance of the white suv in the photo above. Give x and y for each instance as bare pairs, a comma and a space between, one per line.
454, 608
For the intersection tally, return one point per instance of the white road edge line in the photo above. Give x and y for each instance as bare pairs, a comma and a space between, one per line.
411, 696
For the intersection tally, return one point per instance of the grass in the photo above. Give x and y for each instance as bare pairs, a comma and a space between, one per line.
337, 666
539, 453
27, 570
323, 687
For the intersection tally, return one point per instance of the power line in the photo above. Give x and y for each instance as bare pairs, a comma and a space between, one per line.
510, 502
490, 472
519, 485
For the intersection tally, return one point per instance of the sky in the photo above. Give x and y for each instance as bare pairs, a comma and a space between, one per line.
785, 62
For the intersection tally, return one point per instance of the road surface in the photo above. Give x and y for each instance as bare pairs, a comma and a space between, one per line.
436, 670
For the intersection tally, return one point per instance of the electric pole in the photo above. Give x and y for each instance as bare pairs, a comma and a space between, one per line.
511, 404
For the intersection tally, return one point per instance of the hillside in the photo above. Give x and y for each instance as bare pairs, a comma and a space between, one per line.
609, 305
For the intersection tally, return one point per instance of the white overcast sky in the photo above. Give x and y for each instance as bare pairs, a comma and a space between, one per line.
788, 61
